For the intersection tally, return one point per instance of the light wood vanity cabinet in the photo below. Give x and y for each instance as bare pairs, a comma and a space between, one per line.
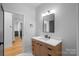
43, 49
54, 50
35, 47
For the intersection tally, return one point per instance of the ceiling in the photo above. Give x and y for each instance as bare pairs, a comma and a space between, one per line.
23, 4
32, 4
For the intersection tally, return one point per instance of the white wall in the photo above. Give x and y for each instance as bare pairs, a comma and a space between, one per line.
65, 24
29, 18
7, 30
77, 30
16, 27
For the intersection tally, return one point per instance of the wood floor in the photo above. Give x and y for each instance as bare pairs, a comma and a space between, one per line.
15, 49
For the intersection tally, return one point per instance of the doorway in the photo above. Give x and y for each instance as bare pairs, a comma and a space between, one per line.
14, 40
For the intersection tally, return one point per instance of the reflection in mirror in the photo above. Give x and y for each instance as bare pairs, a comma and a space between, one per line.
48, 23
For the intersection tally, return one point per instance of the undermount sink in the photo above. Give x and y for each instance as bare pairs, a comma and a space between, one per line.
49, 41
42, 38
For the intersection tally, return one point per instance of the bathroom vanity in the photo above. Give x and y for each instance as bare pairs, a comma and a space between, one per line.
46, 47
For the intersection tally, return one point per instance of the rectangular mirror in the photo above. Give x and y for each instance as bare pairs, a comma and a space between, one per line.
48, 23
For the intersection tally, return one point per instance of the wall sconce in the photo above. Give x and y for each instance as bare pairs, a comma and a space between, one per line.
31, 25
49, 12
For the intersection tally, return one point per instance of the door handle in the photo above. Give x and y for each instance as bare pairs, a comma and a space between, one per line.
1, 43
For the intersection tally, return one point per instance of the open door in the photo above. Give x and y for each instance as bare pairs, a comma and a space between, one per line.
1, 31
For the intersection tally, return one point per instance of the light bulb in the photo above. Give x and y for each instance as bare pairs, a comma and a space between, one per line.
48, 13
52, 11
45, 14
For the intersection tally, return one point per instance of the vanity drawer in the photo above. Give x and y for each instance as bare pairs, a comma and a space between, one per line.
54, 50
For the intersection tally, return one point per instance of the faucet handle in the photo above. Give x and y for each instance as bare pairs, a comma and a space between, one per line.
49, 37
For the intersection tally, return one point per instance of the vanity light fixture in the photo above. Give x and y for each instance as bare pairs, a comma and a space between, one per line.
52, 11
44, 14
49, 12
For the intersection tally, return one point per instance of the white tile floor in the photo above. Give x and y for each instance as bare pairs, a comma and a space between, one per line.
25, 54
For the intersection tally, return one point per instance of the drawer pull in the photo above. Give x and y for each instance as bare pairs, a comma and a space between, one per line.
49, 49
49, 55
40, 45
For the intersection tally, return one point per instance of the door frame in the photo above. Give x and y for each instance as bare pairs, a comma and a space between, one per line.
1, 6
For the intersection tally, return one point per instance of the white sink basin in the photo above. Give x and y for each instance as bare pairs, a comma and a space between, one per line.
43, 38
53, 42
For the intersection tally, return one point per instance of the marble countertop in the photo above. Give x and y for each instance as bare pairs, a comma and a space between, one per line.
50, 41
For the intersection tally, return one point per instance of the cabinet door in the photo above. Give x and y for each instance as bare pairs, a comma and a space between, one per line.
33, 50
58, 49
43, 50
33, 47
37, 49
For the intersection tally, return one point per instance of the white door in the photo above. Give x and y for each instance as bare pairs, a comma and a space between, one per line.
7, 29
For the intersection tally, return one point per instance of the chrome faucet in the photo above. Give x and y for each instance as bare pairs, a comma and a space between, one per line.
46, 36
